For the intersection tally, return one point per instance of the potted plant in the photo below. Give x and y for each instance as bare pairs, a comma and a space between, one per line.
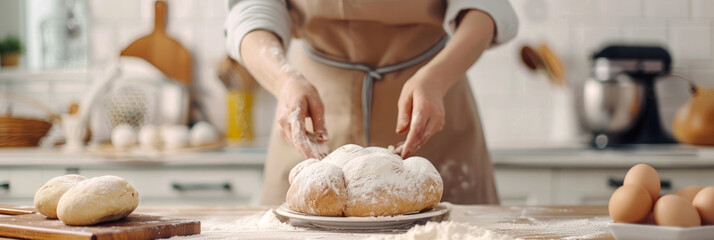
10, 50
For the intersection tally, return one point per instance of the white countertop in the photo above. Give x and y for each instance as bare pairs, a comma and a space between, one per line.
574, 156
28, 157
659, 156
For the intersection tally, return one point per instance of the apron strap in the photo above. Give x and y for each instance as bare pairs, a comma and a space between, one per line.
373, 74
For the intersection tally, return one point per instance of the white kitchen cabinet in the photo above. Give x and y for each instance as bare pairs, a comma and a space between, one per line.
705, 178
18, 186
594, 187
157, 185
192, 186
582, 186
524, 186
4, 184
678, 179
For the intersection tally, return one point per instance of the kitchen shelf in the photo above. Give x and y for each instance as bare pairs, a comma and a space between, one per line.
21, 75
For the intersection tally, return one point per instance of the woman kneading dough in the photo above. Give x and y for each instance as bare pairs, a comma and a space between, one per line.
373, 73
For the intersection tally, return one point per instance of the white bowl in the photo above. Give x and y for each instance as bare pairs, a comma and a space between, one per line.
629, 231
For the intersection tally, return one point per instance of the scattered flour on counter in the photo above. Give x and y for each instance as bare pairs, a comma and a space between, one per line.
448, 230
259, 222
264, 222
568, 229
271, 222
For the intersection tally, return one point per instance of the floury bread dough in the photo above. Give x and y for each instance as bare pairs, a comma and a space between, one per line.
318, 188
97, 200
356, 181
47, 197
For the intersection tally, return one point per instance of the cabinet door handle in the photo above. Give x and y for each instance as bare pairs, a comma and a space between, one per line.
5, 185
616, 183
666, 184
226, 186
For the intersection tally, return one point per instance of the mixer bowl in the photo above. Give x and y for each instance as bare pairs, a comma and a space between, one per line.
612, 106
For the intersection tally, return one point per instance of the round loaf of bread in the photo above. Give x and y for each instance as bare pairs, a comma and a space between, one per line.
357, 182
47, 197
97, 200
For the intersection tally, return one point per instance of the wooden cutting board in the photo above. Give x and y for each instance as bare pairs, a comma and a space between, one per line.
135, 226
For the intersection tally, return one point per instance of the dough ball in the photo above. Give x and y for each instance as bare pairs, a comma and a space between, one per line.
356, 182
149, 137
203, 133
299, 167
321, 190
123, 136
344, 154
377, 186
175, 136
97, 200
428, 181
380, 150
47, 196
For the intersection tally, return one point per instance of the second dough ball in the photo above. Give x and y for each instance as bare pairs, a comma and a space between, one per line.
97, 200
47, 197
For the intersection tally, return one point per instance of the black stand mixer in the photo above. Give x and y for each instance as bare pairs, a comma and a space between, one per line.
620, 103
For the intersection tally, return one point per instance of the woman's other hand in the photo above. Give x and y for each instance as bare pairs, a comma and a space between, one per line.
421, 103
421, 110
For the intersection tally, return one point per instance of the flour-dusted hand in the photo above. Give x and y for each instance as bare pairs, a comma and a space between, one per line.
421, 110
298, 100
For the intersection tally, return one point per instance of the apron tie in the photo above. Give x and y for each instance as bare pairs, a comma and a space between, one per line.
372, 74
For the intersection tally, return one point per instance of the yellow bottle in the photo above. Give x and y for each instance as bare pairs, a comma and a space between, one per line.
239, 122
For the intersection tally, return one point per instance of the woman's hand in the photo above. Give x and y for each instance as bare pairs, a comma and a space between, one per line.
421, 110
298, 99
264, 57
421, 103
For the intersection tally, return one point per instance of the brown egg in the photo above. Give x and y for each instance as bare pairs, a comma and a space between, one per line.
673, 210
630, 204
704, 202
649, 220
645, 176
689, 192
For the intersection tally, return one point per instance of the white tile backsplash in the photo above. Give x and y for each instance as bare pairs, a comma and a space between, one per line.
703, 76
703, 8
515, 104
183, 10
103, 43
691, 40
521, 106
666, 8
655, 34
213, 10
578, 8
621, 8
591, 36
126, 11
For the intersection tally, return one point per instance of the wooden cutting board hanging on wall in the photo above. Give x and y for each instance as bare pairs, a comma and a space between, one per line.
165, 53
162, 51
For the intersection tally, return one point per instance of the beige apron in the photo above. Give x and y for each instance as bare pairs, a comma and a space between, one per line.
370, 33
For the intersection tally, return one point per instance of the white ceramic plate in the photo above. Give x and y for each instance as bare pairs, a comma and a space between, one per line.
629, 231
438, 213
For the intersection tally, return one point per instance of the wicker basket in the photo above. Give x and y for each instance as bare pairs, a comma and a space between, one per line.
24, 132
